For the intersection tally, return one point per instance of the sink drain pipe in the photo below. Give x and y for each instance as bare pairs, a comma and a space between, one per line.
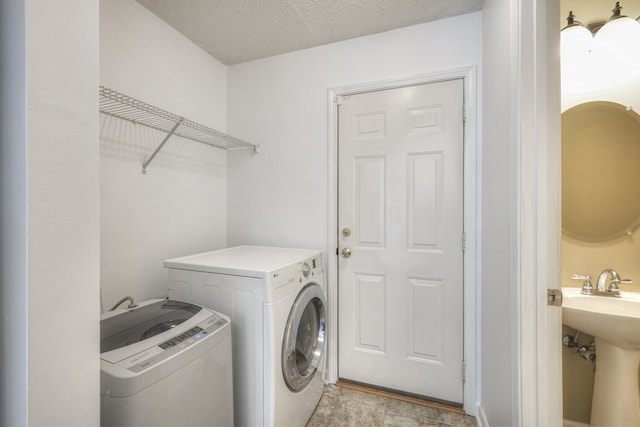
587, 352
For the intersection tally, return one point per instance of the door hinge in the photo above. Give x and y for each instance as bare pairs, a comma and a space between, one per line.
464, 241
464, 371
464, 113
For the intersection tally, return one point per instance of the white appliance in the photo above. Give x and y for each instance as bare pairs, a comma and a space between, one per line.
275, 298
166, 363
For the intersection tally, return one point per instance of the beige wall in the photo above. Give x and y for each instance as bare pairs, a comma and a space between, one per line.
622, 254
577, 378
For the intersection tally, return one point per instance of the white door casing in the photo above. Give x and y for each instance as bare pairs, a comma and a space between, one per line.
536, 106
401, 198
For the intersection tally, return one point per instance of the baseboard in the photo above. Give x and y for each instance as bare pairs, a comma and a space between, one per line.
481, 419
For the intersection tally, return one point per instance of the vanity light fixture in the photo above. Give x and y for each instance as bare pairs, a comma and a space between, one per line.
619, 33
615, 20
603, 54
575, 37
575, 47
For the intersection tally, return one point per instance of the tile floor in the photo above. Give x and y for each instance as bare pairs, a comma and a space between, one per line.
343, 407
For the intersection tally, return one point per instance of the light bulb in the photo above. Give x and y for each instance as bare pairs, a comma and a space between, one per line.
575, 53
616, 47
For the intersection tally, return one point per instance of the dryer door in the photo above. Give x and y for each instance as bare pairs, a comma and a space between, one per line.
304, 337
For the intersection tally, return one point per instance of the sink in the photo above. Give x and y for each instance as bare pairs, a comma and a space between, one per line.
616, 320
615, 324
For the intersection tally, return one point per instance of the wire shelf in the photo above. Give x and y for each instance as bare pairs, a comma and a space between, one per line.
121, 106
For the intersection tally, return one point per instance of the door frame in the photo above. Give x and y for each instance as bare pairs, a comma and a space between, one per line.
471, 224
535, 125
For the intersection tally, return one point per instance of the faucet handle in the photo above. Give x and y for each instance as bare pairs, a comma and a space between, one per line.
587, 287
613, 286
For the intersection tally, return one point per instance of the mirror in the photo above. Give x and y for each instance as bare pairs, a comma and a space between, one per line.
600, 171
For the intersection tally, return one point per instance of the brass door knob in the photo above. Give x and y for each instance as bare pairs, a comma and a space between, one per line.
346, 252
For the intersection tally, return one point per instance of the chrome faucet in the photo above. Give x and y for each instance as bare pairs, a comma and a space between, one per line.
587, 288
601, 286
613, 284
602, 279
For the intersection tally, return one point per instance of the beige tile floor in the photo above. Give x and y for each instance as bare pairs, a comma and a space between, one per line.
343, 407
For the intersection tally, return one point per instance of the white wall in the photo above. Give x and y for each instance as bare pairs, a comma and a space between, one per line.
180, 206
62, 213
498, 219
279, 197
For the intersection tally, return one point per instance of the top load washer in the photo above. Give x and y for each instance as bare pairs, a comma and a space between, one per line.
275, 298
165, 363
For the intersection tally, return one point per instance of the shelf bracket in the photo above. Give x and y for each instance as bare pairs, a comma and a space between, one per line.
159, 147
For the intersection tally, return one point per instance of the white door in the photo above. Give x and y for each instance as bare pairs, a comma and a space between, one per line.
401, 217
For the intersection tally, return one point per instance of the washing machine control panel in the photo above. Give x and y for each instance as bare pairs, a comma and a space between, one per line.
193, 332
158, 353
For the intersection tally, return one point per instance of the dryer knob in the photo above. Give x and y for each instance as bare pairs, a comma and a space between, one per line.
306, 269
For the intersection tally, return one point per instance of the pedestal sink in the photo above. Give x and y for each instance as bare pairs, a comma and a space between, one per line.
615, 324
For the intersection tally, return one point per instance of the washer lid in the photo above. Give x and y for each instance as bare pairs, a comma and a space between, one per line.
143, 322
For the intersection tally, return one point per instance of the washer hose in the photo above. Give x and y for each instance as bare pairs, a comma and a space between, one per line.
127, 298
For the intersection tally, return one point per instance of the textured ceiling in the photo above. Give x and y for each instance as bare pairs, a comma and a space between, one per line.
235, 31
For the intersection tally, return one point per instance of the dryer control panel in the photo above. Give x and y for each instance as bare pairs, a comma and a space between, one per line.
307, 271
310, 267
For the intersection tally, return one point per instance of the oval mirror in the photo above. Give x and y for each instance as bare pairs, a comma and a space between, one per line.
600, 171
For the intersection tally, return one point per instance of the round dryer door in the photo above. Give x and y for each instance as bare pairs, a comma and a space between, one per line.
304, 337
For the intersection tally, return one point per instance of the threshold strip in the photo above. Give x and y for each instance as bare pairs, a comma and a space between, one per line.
416, 400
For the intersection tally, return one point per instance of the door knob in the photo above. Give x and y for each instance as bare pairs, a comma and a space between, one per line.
346, 252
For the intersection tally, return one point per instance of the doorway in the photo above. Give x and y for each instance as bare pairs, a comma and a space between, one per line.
400, 218
417, 288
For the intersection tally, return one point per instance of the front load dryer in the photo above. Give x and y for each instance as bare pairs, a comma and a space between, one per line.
275, 298
166, 363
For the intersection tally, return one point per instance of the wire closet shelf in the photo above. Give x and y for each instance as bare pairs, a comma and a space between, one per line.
121, 106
